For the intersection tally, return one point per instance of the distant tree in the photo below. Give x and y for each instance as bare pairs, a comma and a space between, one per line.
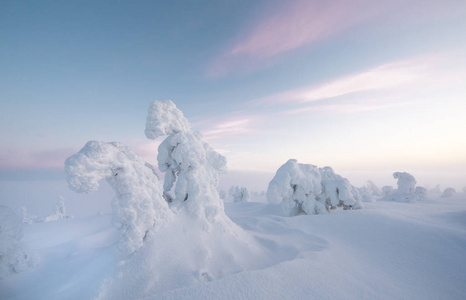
406, 191
448, 192
241, 194
59, 213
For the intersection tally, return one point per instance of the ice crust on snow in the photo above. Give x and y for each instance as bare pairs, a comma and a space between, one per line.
138, 205
13, 257
192, 168
305, 188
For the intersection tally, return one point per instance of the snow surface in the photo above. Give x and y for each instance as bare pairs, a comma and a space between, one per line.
388, 250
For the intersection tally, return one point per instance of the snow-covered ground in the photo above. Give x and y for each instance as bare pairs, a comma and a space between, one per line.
388, 250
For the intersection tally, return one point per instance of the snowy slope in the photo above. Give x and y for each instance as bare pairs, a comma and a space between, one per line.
387, 250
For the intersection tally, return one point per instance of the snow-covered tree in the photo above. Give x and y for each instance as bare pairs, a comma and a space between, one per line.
406, 191
13, 257
448, 192
421, 191
241, 194
138, 206
192, 168
305, 188
59, 213
387, 190
28, 219
370, 192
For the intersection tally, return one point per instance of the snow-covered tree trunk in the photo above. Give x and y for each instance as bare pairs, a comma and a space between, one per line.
138, 206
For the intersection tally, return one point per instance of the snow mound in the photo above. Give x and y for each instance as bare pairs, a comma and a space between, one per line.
13, 257
138, 206
406, 191
305, 188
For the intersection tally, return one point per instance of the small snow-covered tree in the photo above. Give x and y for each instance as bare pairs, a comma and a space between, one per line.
191, 166
28, 219
406, 191
370, 192
13, 257
421, 191
138, 206
305, 188
387, 190
59, 213
448, 192
241, 194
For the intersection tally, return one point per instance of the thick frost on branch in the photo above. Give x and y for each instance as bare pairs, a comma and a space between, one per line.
13, 257
305, 188
138, 206
406, 191
189, 163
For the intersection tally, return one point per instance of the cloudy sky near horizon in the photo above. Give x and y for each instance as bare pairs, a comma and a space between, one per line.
358, 85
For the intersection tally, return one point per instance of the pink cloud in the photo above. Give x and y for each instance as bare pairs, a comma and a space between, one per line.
299, 23
385, 76
293, 24
15, 158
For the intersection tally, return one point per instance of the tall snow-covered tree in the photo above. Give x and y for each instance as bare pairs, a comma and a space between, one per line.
192, 168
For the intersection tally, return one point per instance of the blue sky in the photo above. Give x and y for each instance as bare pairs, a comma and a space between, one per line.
358, 85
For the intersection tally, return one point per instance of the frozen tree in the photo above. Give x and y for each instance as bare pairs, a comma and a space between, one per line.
192, 168
448, 192
13, 257
421, 191
241, 195
370, 192
28, 219
387, 190
305, 188
59, 213
138, 205
406, 191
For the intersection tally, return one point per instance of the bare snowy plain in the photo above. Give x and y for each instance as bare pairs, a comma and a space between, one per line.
311, 236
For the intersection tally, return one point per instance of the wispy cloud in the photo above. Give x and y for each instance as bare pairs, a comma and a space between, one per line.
381, 77
227, 126
292, 25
